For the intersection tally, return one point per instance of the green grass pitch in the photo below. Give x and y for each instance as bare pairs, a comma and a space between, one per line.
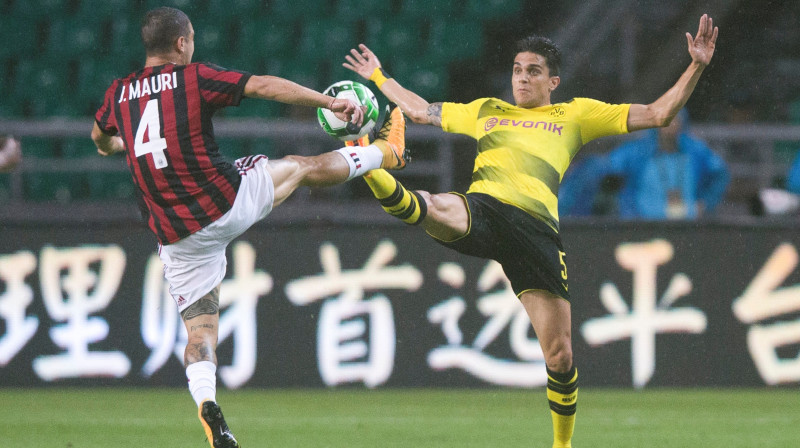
352, 418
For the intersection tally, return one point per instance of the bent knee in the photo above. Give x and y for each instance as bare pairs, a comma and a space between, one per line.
559, 359
447, 217
444, 204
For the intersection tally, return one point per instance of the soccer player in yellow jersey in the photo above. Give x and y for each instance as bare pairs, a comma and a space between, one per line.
510, 211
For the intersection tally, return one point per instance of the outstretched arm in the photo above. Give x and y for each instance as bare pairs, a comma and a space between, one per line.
661, 112
282, 90
364, 62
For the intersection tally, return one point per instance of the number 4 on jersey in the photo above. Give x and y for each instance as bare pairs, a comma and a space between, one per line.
155, 144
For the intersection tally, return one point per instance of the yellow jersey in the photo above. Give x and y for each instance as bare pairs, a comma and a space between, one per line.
523, 153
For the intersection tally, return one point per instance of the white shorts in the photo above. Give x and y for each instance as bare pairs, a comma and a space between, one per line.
195, 265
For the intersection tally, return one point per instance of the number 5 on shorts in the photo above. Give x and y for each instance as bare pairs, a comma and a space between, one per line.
155, 144
563, 264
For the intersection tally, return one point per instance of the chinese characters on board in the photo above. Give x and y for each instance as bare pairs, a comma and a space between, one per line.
356, 329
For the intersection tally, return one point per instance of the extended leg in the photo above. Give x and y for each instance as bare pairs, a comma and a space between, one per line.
551, 319
444, 215
388, 151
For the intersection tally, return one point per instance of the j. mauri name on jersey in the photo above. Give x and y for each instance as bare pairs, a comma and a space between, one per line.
148, 86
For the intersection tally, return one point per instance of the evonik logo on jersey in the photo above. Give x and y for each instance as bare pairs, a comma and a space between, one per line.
493, 122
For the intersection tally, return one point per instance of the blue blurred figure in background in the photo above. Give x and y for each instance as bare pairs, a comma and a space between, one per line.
668, 173
589, 188
793, 178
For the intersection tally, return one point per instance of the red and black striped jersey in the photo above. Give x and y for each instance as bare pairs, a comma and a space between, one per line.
163, 115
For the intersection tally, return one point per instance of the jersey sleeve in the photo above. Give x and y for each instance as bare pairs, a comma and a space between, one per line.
599, 119
459, 118
105, 118
221, 87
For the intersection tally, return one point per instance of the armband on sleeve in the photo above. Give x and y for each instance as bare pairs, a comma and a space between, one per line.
379, 76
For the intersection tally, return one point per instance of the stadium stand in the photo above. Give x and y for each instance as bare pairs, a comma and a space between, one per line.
82, 35
423, 9
338, 37
357, 9
273, 39
228, 10
427, 80
300, 9
399, 38
492, 9
38, 147
104, 10
452, 40
22, 31
41, 9
444, 50
213, 39
5, 187
111, 186
55, 187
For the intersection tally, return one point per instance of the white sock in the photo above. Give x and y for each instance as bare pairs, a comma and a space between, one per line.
361, 159
202, 381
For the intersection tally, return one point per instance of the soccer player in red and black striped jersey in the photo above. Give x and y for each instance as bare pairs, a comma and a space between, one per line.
191, 197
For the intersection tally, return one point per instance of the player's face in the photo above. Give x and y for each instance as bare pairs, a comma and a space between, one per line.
531, 80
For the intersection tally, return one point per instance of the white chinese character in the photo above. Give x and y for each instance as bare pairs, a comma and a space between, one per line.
763, 299
356, 337
70, 272
164, 333
14, 301
160, 321
503, 309
239, 297
646, 318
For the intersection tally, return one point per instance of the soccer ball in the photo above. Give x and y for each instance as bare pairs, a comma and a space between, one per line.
346, 131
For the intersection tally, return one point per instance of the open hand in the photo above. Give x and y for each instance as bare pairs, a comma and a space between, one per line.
701, 48
362, 61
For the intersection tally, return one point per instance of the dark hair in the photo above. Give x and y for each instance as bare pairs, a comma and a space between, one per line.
161, 27
543, 47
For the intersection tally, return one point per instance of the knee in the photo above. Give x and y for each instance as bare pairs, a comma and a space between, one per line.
299, 164
434, 201
438, 204
559, 358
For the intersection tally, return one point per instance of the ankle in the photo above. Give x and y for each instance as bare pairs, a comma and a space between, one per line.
382, 144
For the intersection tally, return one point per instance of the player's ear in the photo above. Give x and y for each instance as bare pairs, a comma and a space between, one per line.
554, 81
180, 44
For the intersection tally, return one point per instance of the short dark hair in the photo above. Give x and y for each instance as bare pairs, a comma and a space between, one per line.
161, 27
544, 47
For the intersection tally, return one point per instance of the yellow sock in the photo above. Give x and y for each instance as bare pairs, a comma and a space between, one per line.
562, 393
407, 206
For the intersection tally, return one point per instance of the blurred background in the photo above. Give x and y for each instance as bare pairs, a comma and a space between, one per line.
682, 243
703, 208
59, 56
